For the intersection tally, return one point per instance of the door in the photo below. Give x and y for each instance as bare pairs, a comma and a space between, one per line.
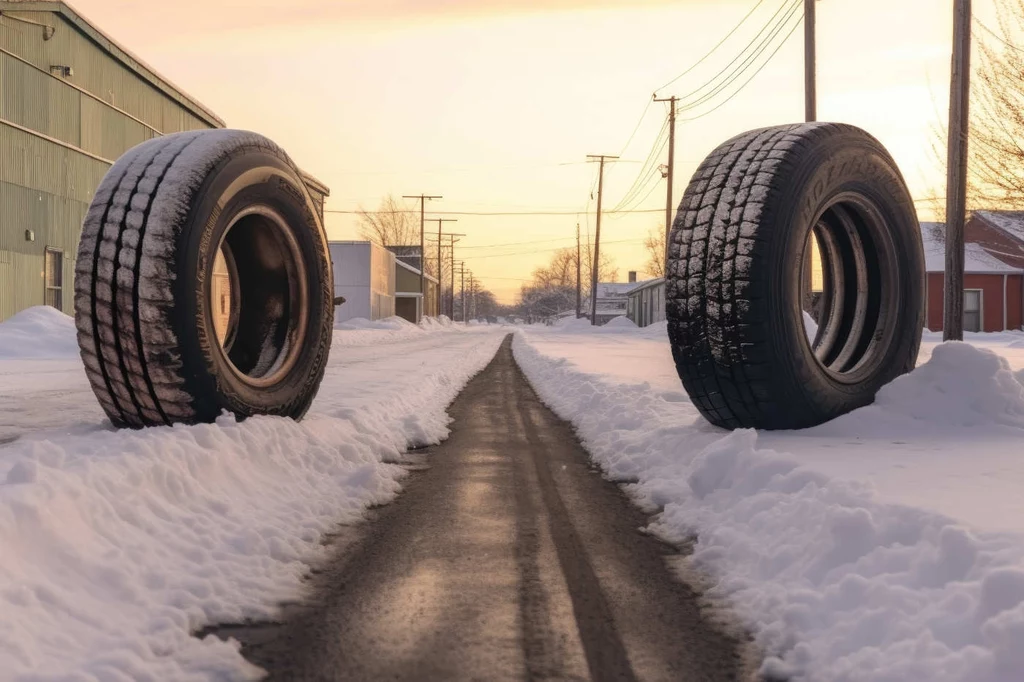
53, 276
972, 310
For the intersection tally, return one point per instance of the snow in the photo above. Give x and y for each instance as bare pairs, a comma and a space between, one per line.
621, 322
40, 332
116, 545
887, 545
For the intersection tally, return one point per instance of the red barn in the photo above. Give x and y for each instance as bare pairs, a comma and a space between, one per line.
993, 271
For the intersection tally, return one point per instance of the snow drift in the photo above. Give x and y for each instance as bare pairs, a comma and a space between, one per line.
116, 545
832, 583
39, 332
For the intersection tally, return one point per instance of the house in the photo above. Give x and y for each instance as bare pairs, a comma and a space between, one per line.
410, 303
993, 271
612, 299
646, 302
364, 273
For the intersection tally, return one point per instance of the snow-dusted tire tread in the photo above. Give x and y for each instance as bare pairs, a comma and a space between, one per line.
722, 318
126, 294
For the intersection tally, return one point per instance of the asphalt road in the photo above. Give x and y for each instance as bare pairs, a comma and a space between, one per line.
507, 557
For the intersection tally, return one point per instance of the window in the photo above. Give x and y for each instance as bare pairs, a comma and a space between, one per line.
54, 277
972, 310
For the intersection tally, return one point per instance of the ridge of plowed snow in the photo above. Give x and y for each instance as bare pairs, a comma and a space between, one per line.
116, 545
39, 332
833, 583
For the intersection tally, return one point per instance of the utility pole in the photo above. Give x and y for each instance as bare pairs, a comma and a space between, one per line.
597, 236
671, 166
956, 172
462, 271
423, 249
578, 271
439, 271
462, 294
451, 291
451, 236
810, 66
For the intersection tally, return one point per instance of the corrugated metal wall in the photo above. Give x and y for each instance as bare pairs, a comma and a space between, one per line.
91, 118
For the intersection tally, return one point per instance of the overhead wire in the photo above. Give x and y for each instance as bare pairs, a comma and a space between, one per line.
643, 175
998, 37
484, 213
715, 48
746, 82
773, 28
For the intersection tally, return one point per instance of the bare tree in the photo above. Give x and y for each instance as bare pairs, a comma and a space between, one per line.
654, 244
995, 162
392, 224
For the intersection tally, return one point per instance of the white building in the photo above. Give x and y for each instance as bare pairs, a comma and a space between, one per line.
647, 302
364, 273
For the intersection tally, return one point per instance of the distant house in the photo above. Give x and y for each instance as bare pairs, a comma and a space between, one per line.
611, 299
993, 271
646, 302
364, 273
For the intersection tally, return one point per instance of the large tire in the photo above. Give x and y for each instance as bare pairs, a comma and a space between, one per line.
735, 277
144, 282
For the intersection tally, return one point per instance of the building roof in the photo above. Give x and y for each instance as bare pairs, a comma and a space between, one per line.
415, 271
118, 52
1010, 222
646, 284
613, 289
977, 261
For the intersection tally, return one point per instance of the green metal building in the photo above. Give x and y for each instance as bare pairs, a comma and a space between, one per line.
71, 102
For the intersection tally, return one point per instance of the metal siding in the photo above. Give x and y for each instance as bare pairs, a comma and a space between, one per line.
44, 186
94, 71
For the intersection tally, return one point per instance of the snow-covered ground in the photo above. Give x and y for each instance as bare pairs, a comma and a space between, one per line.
115, 545
885, 545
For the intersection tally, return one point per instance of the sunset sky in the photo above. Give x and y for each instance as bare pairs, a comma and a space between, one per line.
495, 105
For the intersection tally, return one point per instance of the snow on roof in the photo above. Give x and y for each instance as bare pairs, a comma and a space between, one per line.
977, 260
1010, 222
645, 284
608, 289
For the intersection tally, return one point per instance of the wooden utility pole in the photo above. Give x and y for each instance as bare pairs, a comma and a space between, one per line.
810, 67
462, 294
597, 236
423, 249
439, 270
579, 270
956, 172
671, 166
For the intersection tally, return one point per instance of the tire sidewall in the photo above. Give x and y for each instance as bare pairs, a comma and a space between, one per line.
242, 179
843, 164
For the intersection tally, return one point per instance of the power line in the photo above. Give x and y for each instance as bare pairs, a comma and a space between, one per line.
746, 82
525, 253
773, 28
650, 164
998, 37
493, 213
637, 126
715, 48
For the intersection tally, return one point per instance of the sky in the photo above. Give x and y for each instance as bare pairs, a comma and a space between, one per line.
496, 105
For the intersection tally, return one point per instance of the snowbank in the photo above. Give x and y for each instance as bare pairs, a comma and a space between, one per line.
39, 332
833, 583
115, 545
